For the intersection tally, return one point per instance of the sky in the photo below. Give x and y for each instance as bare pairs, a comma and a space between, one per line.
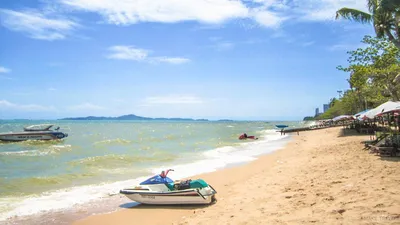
214, 59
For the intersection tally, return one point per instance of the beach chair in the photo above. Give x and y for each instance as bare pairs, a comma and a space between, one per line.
380, 137
387, 151
387, 147
374, 148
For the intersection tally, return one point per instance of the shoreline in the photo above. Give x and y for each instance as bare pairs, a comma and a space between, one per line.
320, 176
116, 202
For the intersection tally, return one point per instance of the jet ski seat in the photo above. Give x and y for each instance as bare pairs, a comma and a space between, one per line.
186, 184
199, 183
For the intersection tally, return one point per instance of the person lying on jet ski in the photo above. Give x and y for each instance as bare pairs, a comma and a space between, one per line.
245, 136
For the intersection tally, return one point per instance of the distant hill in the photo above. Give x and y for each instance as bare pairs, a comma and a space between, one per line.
129, 117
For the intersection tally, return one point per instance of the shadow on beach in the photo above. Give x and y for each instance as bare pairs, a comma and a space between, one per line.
390, 159
351, 132
135, 205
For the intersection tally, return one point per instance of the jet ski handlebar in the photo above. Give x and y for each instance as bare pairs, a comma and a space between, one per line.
165, 173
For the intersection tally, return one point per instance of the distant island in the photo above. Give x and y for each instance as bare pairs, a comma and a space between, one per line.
134, 117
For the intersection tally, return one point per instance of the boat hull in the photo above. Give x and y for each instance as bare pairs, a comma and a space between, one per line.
186, 197
32, 136
281, 126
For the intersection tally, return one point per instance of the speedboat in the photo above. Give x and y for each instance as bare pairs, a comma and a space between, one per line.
34, 132
281, 126
161, 190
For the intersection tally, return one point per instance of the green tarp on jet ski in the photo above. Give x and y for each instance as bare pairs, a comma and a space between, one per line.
199, 183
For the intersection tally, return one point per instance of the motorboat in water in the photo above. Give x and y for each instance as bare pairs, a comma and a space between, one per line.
161, 190
281, 126
34, 132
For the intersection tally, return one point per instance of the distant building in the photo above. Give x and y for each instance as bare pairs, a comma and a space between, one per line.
316, 111
326, 107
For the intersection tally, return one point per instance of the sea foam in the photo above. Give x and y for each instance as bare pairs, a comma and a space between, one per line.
203, 162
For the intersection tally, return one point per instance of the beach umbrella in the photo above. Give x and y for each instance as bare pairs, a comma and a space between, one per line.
392, 108
342, 117
384, 108
361, 115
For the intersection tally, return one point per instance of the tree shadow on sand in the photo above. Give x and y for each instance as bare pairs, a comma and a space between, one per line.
395, 159
352, 132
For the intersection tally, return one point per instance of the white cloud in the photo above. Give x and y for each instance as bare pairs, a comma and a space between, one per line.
85, 106
4, 70
125, 12
173, 99
52, 89
267, 13
172, 60
6, 105
268, 19
277, 11
141, 55
128, 53
317, 10
309, 43
36, 25
220, 44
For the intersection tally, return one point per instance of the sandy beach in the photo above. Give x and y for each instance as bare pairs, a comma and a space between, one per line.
320, 177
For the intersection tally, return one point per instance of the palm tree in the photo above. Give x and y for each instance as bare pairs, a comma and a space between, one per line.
332, 102
390, 4
384, 14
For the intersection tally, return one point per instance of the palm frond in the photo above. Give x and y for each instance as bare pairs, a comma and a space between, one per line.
354, 14
390, 5
383, 22
372, 5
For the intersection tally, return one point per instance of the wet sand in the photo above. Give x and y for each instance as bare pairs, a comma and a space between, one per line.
320, 177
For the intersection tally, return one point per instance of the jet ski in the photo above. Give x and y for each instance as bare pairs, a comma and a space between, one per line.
161, 190
244, 136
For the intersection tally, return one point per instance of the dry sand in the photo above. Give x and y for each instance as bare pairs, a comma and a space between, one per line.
321, 177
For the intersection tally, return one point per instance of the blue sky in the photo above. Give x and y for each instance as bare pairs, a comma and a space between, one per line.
249, 59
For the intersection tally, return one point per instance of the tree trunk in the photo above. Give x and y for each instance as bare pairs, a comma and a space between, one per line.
397, 79
393, 92
393, 39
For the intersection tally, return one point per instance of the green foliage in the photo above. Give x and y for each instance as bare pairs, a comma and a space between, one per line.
347, 105
374, 78
383, 14
332, 102
391, 5
373, 69
354, 14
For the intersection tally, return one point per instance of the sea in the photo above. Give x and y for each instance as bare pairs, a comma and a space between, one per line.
98, 158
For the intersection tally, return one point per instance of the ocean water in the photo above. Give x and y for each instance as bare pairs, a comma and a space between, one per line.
99, 158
